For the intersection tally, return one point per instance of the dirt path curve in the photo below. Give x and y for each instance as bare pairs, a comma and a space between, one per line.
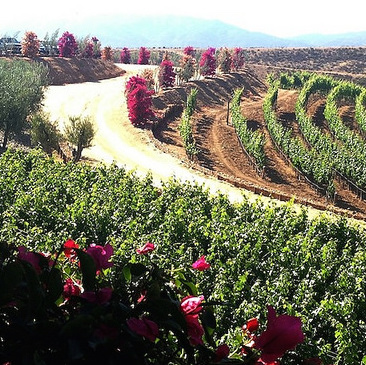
118, 141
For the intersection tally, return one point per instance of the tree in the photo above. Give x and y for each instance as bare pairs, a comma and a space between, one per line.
139, 102
50, 43
80, 133
125, 56
187, 67
238, 58
21, 93
107, 53
189, 51
45, 133
144, 56
208, 62
224, 60
166, 73
67, 45
30, 45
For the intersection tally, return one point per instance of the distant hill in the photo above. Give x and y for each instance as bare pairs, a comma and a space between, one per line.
355, 39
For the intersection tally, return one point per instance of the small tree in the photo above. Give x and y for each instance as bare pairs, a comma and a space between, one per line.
139, 102
80, 133
166, 73
224, 60
208, 62
50, 43
237, 59
96, 47
67, 45
125, 56
144, 56
187, 67
189, 51
107, 53
45, 133
30, 45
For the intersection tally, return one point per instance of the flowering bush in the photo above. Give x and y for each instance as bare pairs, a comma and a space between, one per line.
107, 54
77, 306
139, 103
144, 56
208, 62
67, 45
166, 74
30, 45
237, 59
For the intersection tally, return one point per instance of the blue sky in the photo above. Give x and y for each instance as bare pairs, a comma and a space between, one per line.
283, 18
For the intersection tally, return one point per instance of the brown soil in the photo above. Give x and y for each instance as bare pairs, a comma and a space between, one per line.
220, 152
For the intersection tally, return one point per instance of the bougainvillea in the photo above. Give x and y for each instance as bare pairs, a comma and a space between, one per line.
30, 45
224, 60
144, 56
125, 56
67, 45
107, 54
237, 59
189, 51
139, 102
166, 74
208, 62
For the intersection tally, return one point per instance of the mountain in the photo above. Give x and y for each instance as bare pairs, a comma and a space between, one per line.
354, 39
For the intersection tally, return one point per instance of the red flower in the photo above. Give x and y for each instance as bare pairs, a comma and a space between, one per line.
70, 289
101, 255
283, 333
252, 325
201, 264
31, 257
69, 247
194, 329
222, 352
191, 304
148, 247
100, 296
144, 327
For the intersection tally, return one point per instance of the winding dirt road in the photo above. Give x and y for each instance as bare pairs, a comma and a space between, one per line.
118, 141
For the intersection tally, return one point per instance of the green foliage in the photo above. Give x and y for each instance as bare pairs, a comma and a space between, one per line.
79, 132
259, 254
21, 92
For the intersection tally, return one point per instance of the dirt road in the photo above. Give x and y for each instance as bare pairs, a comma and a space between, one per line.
118, 141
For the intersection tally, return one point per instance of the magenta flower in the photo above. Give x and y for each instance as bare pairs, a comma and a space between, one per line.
144, 327
194, 329
31, 257
101, 255
70, 289
100, 296
201, 264
191, 304
146, 248
283, 333
222, 352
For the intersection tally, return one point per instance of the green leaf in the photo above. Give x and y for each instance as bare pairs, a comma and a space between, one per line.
364, 360
127, 273
88, 269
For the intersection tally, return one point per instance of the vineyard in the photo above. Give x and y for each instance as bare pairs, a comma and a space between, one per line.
299, 135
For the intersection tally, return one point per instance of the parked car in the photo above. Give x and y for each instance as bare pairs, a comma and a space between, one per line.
10, 46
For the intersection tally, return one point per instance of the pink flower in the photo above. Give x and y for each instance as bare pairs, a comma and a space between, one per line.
283, 333
144, 327
69, 247
222, 352
191, 304
100, 296
148, 247
201, 264
101, 255
70, 289
31, 257
194, 329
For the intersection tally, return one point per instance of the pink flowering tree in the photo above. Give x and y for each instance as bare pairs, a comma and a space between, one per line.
144, 56
139, 102
166, 74
125, 56
208, 62
67, 45
237, 59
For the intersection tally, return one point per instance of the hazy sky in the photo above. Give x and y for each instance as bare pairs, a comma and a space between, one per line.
284, 18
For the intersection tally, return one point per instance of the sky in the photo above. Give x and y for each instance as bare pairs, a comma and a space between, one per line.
282, 18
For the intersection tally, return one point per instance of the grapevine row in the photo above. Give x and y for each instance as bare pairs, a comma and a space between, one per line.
252, 142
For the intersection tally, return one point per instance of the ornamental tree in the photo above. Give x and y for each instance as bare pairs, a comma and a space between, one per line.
189, 51
166, 74
67, 45
144, 56
107, 53
237, 59
139, 102
208, 62
30, 45
125, 56
224, 60
187, 67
